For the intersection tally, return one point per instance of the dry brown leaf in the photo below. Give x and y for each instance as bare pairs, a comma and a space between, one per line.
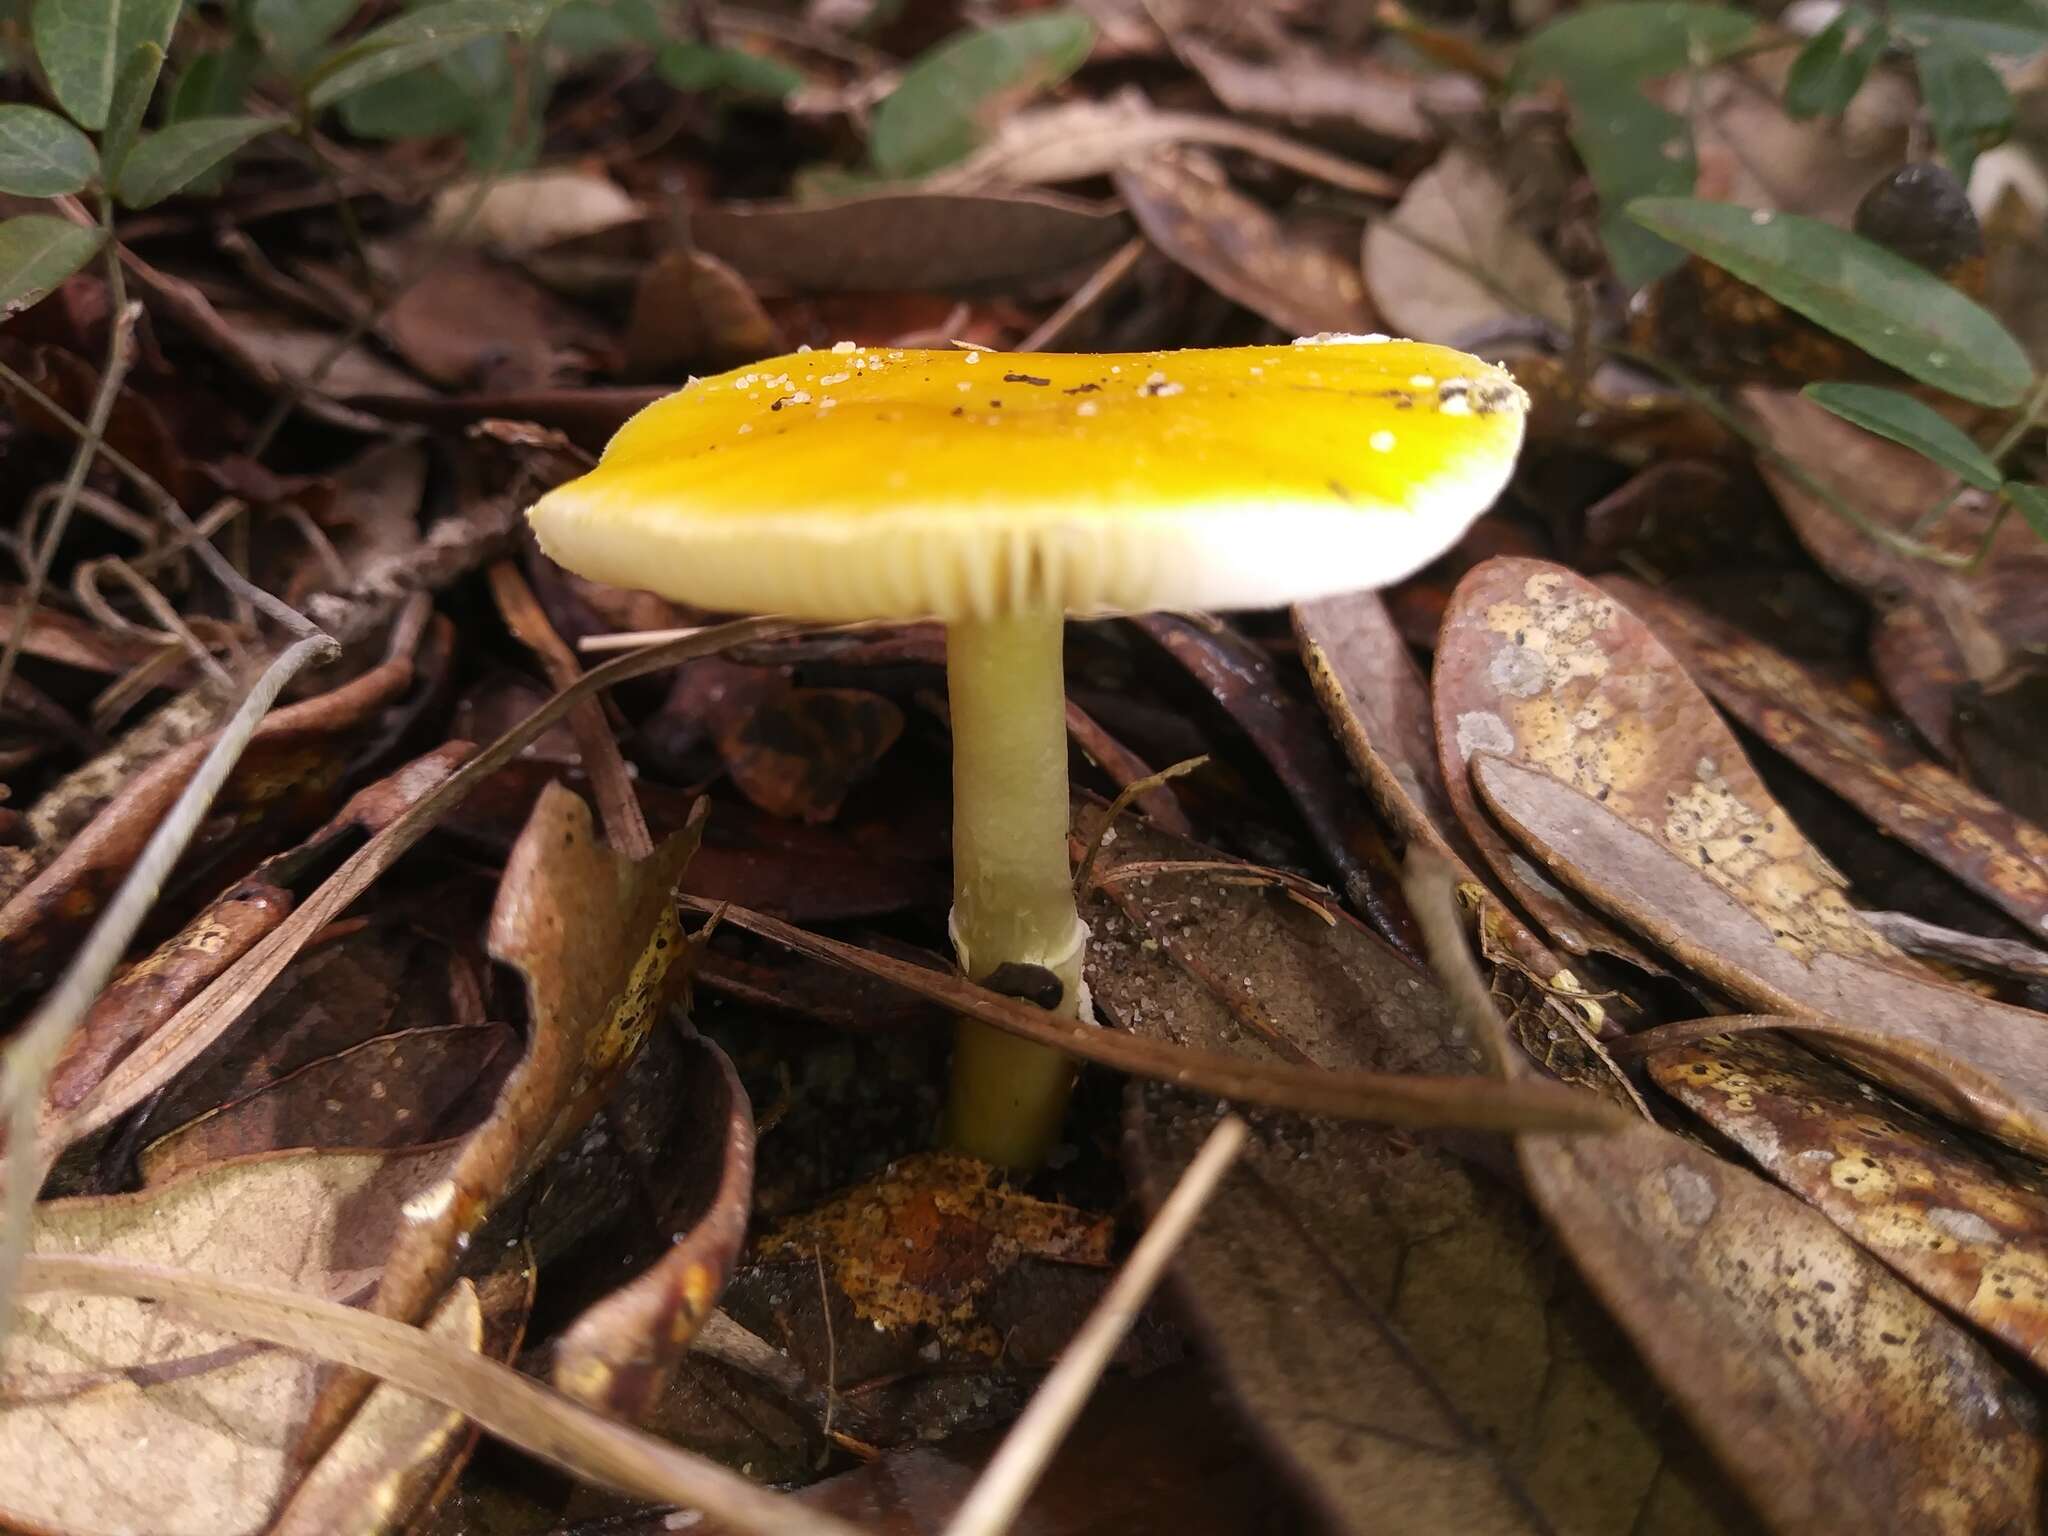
1836, 1397
1306, 85
1242, 251
296, 756
594, 937
1452, 262
1378, 706
1940, 627
1980, 1062
527, 210
692, 311
919, 1254
118, 1418
1533, 661
1852, 751
910, 240
1964, 1221
621, 1353
399, 1090
386, 1464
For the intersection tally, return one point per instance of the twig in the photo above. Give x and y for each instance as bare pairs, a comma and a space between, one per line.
189, 535
831, 1355
1101, 282
515, 1408
33, 1050
1006, 1482
1124, 797
120, 354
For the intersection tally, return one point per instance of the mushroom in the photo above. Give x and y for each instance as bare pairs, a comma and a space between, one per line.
999, 492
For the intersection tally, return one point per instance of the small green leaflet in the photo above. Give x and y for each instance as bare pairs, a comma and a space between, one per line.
1833, 65
132, 90
84, 43
37, 252
1913, 423
2031, 501
1990, 26
1608, 44
1895, 311
41, 155
172, 159
702, 67
1967, 100
1632, 146
949, 98
407, 42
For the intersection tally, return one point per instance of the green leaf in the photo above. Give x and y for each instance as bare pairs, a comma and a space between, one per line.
41, 155
84, 43
2031, 501
1913, 423
132, 90
171, 160
1833, 65
37, 252
701, 67
949, 98
293, 29
214, 84
1632, 148
586, 27
446, 96
1609, 44
407, 42
1991, 26
1967, 100
1895, 311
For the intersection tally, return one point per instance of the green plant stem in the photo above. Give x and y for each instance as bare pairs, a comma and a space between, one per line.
1013, 895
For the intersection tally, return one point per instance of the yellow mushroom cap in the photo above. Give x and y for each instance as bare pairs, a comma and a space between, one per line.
885, 483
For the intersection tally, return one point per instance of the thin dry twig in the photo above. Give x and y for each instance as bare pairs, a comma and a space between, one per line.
1473, 1103
33, 1050
120, 354
1006, 1482
515, 1408
1124, 797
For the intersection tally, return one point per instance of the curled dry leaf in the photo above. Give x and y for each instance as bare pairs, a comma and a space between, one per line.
691, 310
1532, 661
1378, 706
1306, 85
1849, 749
1966, 1222
294, 760
1835, 1396
1242, 251
117, 1418
594, 937
621, 1353
909, 240
799, 752
527, 210
398, 1090
1980, 1062
1453, 262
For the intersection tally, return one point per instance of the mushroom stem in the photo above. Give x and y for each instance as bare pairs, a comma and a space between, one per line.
1013, 895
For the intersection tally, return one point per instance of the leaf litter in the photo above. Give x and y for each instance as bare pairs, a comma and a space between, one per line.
402, 1033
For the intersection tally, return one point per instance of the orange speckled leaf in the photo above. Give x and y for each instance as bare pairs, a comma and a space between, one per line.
919, 1247
1977, 1061
1835, 1396
1851, 750
1965, 1221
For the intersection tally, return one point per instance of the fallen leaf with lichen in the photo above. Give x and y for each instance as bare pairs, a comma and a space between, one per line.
1965, 1221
